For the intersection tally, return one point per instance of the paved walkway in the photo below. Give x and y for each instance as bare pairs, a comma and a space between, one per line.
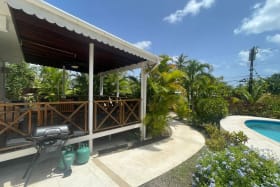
137, 166
126, 168
255, 140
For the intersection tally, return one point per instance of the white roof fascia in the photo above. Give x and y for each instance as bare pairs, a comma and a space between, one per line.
43, 10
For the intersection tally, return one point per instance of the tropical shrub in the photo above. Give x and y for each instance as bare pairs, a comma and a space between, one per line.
51, 86
181, 107
218, 139
236, 166
164, 93
274, 84
211, 110
20, 76
270, 105
266, 106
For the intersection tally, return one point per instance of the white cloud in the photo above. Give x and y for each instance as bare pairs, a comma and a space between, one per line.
143, 45
274, 39
243, 57
193, 7
265, 17
257, 5
262, 55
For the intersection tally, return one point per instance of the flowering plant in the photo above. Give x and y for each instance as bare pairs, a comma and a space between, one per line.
236, 166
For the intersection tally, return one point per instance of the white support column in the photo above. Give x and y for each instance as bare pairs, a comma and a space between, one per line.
118, 85
90, 93
143, 100
63, 83
101, 85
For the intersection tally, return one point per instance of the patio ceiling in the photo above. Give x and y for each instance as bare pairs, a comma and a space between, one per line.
47, 44
63, 40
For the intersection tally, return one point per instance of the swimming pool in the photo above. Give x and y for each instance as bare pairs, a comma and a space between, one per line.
270, 129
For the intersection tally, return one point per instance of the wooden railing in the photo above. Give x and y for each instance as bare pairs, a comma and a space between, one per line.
18, 119
115, 113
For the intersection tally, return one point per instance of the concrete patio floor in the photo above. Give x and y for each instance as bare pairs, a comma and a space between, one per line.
131, 167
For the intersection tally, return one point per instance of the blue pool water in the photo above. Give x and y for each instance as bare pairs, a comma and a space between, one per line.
270, 129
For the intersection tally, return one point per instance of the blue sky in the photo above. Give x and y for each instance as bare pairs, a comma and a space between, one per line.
217, 32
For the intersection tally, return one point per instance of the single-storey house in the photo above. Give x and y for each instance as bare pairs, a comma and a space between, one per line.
39, 33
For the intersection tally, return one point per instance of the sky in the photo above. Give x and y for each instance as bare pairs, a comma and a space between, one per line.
216, 32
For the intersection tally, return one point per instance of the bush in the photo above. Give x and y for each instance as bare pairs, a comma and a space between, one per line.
237, 138
236, 166
211, 110
181, 108
155, 124
270, 106
267, 106
219, 140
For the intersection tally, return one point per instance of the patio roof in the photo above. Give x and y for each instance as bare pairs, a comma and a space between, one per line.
51, 37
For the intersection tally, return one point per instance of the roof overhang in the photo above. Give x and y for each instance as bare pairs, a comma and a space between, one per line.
10, 50
51, 37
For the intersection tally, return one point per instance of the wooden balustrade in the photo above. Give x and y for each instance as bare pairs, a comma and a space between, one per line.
115, 113
18, 119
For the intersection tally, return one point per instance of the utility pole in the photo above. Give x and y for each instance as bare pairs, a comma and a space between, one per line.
252, 57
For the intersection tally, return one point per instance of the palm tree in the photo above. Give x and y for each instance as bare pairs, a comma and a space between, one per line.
258, 91
165, 91
134, 86
51, 83
195, 71
181, 61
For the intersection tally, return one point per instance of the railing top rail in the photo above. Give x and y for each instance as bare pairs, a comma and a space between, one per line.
116, 100
66, 102
14, 104
42, 103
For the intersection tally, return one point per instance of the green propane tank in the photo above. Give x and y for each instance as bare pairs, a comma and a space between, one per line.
83, 153
69, 157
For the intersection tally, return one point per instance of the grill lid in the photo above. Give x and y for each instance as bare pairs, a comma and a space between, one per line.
51, 132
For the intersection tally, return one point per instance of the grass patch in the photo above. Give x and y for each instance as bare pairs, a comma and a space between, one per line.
178, 176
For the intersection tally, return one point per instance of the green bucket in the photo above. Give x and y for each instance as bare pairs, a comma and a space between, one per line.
82, 153
69, 156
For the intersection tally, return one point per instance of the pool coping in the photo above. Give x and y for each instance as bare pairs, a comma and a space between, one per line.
255, 140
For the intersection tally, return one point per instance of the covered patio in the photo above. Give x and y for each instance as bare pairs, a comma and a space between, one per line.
39, 33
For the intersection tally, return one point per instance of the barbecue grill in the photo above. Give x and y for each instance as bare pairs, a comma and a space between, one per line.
48, 141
